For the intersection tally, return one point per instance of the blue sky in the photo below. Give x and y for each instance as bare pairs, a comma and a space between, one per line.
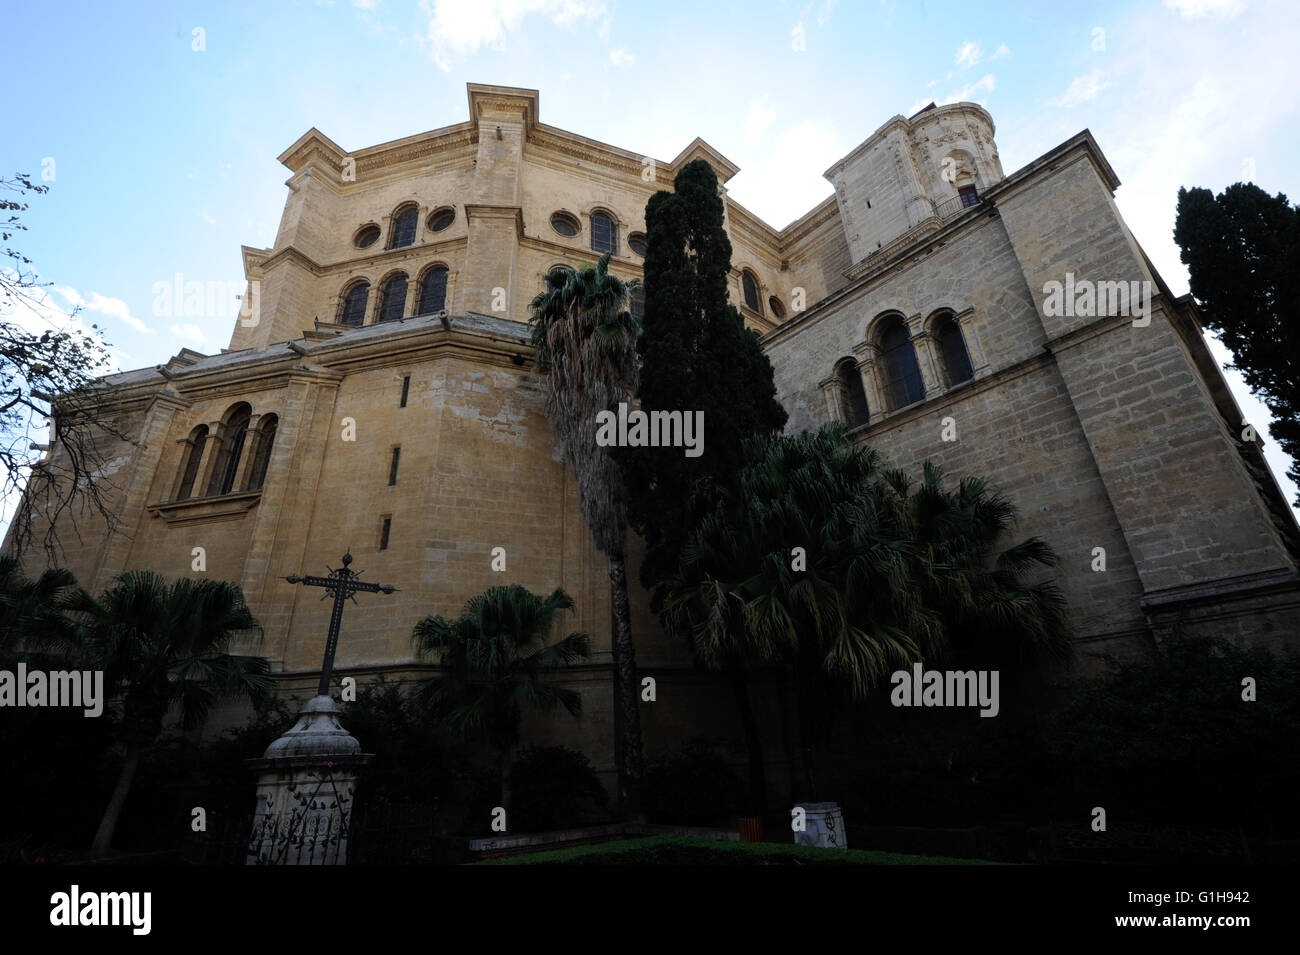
163, 155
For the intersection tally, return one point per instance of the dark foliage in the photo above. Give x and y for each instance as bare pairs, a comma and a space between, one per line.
1242, 251
552, 787
694, 786
696, 354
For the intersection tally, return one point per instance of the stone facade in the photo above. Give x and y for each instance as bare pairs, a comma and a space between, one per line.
1104, 432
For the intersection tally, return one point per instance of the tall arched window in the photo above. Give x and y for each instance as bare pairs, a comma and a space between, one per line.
636, 302
405, 220
952, 348
353, 309
433, 290
193, 455
902, 373
392, 301
852, 395
234, 432
604, 237
749, 285
265, 442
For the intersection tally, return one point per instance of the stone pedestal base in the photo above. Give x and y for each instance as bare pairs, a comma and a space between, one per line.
305, 791
824, 826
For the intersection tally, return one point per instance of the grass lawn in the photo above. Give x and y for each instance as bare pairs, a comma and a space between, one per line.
680, 850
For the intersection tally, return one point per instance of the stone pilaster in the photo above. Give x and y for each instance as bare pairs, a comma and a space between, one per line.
131, 512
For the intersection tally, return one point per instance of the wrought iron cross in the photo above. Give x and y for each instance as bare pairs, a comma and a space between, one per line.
343, 584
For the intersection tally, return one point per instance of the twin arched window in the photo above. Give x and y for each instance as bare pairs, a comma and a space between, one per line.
234, 441
853, 397
405, 221
193, 455
604, 235
433, 291
902, 373
952, 350
353, 309
749, 285
267, 428
392, 300
233, 434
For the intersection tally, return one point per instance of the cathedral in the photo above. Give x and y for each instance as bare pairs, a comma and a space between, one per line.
379, 394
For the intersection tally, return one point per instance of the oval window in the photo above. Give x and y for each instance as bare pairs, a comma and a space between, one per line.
367, 237
564, 224
442, 219
636, 242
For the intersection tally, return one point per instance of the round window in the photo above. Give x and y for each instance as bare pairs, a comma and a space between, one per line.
442, 219
564, 224
367, 236
636, 242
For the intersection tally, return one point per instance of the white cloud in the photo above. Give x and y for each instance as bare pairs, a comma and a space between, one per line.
968, 54
1082, 89
365, 4
985, 84
1000, 52
112, 307
191, 334
758, 119
1206, 9
827, 7
621, 57
456, 30
207, 218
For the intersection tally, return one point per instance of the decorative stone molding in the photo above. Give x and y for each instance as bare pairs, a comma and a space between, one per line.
201, 510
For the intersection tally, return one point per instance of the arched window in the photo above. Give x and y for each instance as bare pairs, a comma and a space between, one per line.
853, 396
433, 290
604, 237
193, 455
749, 285
234, 432
265, 441
636, 302
902, 373
404, 223
353, 309
392, 298
952, 348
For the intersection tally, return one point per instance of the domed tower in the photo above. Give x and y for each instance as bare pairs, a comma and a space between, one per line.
913, 174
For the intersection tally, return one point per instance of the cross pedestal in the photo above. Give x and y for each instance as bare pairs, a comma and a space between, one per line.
307, 778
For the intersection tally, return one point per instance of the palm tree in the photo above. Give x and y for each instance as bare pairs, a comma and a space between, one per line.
494, 658
161, 645
38, 615
585, 341
888, 576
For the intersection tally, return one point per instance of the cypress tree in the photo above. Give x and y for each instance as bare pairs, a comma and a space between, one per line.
696, 354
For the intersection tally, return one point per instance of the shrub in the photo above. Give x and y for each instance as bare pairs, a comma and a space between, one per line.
695, 786
552, 787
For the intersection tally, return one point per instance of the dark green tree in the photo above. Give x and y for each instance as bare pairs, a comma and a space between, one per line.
496, 663
696, 354
888, 573
1242, 251
162, 645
